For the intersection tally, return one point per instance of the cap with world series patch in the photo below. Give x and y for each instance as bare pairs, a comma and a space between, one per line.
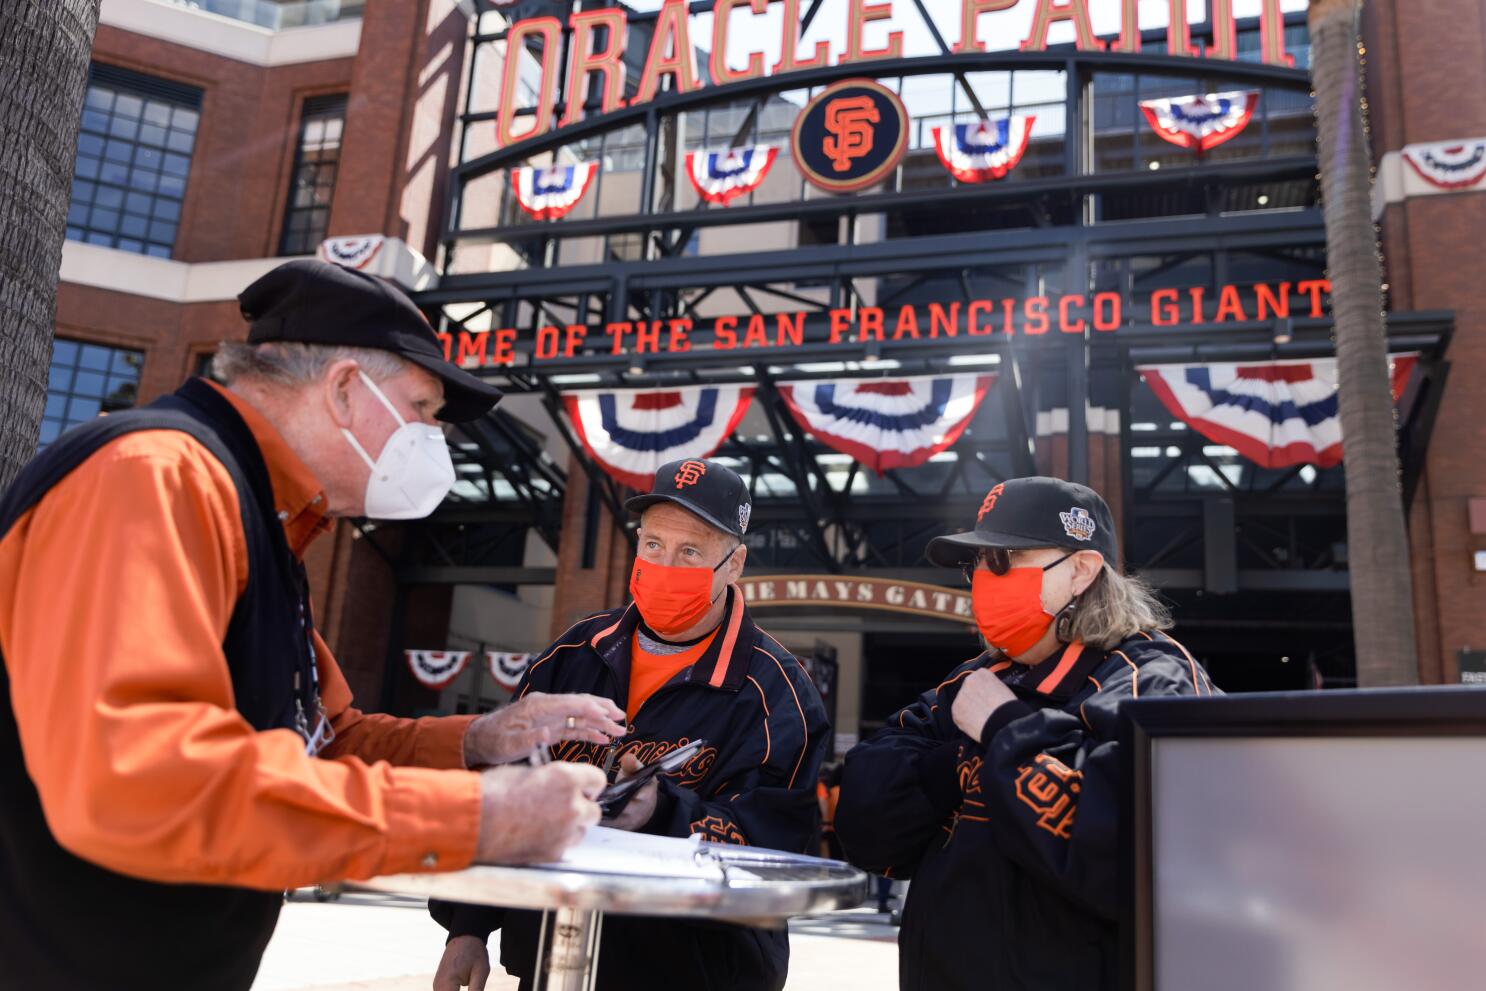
1033, 512
707, 489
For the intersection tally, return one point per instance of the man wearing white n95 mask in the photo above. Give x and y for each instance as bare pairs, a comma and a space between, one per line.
177, 745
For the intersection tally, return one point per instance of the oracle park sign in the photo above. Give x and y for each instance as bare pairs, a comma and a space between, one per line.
599, 45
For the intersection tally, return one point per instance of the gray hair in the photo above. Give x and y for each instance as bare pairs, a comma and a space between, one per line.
294, 364
1116, 607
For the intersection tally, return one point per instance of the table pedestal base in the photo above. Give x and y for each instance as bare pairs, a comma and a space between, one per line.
568, 954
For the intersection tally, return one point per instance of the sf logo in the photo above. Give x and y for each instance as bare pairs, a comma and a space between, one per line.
1050, 788
850, 121
690, 473
990, 502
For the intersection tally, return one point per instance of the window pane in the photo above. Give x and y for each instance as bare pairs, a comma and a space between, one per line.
139, 128
86, 379
307, 211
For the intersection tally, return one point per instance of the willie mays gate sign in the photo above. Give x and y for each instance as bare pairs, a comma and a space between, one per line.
1051, 192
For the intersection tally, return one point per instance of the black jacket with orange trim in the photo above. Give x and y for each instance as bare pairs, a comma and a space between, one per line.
1011, 840
753, 783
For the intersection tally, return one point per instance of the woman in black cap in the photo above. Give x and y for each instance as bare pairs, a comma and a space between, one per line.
997, 791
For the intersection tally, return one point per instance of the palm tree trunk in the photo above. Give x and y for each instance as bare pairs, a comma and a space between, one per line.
44, 46
1377, 540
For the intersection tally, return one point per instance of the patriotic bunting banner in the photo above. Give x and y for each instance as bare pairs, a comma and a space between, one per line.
1201, 122
1448, 164
720, 176
506, 668
437, 668
985, 150
1276, 414
630, 433
887, 423
352, 252
550, 193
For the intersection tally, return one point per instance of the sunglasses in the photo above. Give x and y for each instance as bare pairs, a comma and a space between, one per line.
997, 560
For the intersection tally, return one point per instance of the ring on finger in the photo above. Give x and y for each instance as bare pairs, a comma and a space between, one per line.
572, 722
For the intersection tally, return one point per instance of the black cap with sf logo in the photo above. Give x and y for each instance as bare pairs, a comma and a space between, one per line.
708, 490
1033, 512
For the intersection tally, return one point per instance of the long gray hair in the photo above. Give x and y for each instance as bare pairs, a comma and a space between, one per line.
1114, 608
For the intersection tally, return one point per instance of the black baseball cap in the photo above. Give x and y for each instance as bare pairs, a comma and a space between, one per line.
706, 489
1033, 512
313, 302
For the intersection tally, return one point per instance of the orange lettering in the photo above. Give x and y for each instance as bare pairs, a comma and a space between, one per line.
1064, 324
1229, 306
1035, 310
948, 322
1270, 304
1164, 310
907, 324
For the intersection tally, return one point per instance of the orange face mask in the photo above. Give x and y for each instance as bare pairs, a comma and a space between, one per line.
1008, 607
672, 599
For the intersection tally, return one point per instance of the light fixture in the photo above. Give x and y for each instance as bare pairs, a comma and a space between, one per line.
1154, 166
873, 352
636, 365
1264, 199
1481, 560
1284, 331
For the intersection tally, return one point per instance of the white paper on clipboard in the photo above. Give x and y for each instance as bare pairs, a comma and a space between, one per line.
616, 851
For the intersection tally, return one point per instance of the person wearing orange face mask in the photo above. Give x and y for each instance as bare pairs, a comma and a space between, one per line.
686, 662
998, 791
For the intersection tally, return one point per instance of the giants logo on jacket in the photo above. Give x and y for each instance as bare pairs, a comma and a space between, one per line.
1050, 788
645, 751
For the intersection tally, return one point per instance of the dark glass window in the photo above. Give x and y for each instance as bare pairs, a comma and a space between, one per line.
308, 214
86, 380
133, 157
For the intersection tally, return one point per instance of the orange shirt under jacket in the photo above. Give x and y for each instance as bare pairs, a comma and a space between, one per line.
115, 594
648, 672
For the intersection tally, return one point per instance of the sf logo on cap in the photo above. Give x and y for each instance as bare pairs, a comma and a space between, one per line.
1077, 523
990, 502
690, 473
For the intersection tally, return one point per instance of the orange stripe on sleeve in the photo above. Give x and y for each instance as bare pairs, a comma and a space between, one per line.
804, 724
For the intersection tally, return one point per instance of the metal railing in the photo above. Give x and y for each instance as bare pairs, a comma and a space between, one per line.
277, 15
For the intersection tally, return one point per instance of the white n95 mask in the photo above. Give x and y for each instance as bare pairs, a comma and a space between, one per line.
412, 474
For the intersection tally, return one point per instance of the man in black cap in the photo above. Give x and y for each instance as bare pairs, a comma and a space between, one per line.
177, 745
687, 663
998, 791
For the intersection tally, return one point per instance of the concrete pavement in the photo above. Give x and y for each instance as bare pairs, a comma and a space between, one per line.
365, 942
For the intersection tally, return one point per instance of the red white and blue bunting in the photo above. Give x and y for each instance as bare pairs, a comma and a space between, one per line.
887, 423
630, 432
983, 151
1448, 164
1276, 414
1201, 122
352, 252
436, 669
720, 176
549, 193
506, 668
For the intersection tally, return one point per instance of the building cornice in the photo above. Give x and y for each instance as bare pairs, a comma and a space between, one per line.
231, 38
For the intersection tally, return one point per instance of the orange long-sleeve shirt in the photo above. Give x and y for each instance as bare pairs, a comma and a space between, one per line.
116, 590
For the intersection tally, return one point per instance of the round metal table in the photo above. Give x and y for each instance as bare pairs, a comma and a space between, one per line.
754, 889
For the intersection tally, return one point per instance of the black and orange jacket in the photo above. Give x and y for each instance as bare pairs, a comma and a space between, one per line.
1011, 840
753, 783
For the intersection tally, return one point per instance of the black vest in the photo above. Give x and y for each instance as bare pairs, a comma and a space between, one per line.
66, 923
